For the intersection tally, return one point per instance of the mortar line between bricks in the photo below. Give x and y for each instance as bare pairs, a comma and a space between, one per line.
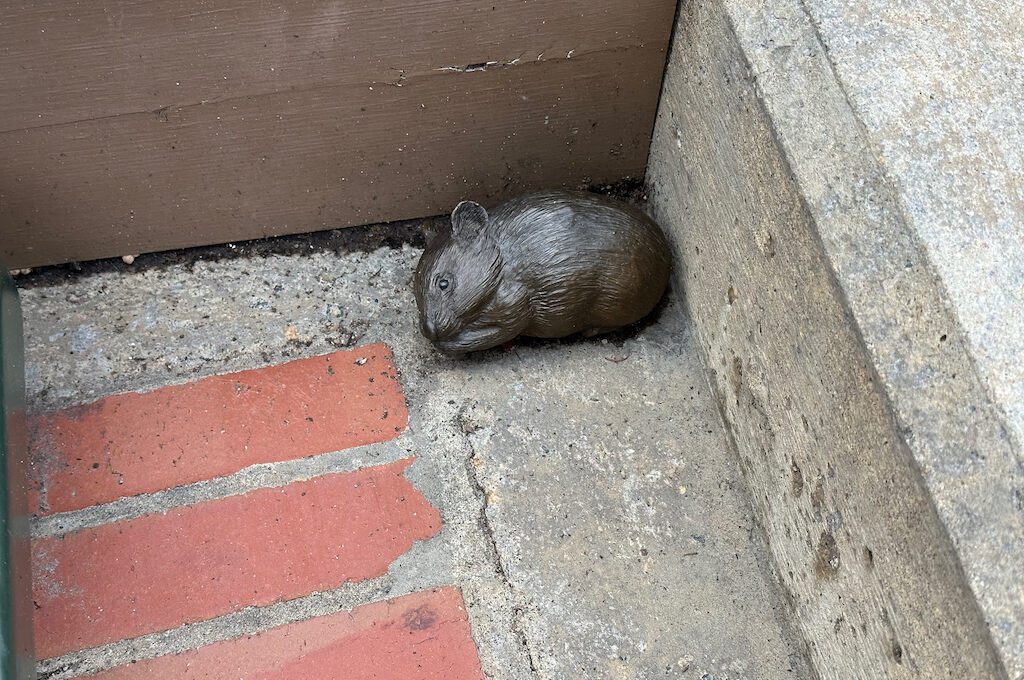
261, 476
491, 544
245, 622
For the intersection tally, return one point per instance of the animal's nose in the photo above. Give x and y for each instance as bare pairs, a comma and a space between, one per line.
429, 330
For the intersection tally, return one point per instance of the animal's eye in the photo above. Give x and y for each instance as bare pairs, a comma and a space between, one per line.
443, 284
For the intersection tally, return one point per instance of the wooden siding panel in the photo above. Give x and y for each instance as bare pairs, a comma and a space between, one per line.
165, 125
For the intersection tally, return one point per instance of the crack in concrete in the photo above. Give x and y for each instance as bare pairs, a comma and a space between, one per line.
493, 553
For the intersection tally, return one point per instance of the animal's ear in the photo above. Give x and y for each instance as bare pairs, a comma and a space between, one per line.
468, 219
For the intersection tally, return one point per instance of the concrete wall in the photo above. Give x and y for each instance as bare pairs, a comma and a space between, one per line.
882, 472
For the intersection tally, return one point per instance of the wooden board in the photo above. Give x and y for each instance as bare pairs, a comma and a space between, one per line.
139, 126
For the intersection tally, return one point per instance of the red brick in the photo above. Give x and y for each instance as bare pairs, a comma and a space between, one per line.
136, 443
418, 637
192, 563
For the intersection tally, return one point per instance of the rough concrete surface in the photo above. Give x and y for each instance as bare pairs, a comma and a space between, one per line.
948, 130
593, 513
919, 208
883, 474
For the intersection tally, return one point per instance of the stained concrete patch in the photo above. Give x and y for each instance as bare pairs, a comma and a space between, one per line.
593, 515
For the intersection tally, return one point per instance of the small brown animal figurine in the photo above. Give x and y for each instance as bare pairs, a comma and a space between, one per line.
544, 265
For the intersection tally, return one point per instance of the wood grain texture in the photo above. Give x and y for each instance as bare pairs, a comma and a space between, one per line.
145, 126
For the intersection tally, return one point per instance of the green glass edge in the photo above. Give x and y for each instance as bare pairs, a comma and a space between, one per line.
17, 660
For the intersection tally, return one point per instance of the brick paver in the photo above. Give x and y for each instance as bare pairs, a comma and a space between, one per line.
156, 572
192, 563
137, 443
424, 636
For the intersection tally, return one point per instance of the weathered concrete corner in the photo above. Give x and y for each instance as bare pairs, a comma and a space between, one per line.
881, 460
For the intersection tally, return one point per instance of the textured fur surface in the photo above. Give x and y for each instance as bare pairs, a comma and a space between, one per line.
546, 265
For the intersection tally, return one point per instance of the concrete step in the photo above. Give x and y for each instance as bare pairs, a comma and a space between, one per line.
844, 187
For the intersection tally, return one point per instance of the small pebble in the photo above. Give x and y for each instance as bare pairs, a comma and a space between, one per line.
128, 259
